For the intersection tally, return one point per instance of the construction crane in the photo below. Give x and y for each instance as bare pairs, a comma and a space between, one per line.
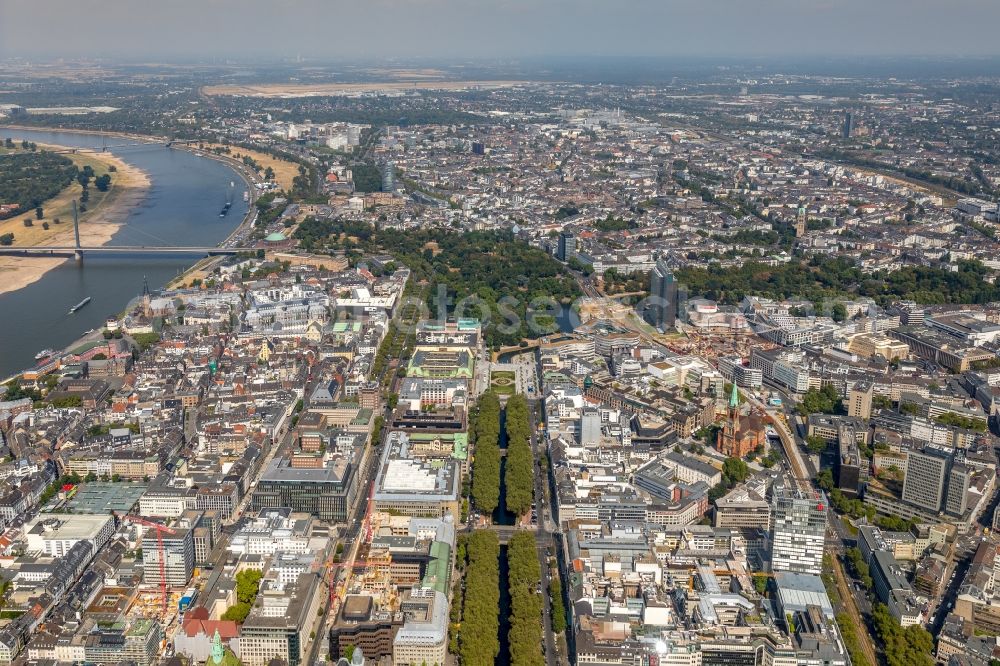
160, 530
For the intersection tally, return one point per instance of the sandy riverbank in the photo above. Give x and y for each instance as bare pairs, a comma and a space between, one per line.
97, 225
285, 171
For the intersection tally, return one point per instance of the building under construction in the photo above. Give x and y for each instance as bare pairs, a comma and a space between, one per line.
405, 560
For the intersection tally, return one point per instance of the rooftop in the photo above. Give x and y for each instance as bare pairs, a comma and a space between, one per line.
402, 476
335, 471
102, 498
67, 525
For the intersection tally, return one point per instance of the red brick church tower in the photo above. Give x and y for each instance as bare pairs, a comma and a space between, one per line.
741, 434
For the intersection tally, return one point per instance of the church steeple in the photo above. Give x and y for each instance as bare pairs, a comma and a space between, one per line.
726, 442
217, 652
146, 297
741, 433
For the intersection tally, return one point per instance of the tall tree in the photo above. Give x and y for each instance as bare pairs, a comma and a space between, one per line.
486, 460
519, 476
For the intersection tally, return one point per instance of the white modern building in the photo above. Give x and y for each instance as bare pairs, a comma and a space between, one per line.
55, 533
423, 638
799, 531
178, 557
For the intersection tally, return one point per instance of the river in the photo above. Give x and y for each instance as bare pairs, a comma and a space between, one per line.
503, 657
501, 516
181, 207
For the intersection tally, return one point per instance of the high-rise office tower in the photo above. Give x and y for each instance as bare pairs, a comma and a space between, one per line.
799, 531
662, 311
859, 400
567, 246
389, 177
937, 480
956, 496
178, 557
848, 125
926, 477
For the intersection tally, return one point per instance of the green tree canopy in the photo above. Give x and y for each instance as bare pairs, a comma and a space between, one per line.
519, 476
486, 460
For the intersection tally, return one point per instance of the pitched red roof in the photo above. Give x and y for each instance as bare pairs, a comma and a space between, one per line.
227, 629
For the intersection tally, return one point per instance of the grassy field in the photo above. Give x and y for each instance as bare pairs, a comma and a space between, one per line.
502, 382
60, 206
284, 171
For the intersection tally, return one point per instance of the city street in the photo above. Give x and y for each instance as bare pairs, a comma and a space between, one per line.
855, 604
544, 529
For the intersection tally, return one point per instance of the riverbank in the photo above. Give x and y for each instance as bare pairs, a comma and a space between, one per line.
203, 267
106, 214
19, 272
143, 138
245, 173
285, 171
181, 207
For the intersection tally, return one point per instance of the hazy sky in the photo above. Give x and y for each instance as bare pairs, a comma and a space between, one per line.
363, 29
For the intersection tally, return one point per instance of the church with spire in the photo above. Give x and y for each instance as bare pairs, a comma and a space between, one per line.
220, 655
741, 434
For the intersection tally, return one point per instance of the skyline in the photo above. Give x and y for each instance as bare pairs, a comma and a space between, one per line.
455, 29
500, 333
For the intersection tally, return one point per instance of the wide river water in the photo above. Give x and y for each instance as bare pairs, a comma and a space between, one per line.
180, 208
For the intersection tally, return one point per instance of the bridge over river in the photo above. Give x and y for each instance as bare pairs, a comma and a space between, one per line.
77, 250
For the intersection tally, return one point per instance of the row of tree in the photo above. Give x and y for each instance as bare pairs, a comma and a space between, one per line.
478, 637
526, 604
859, 568
519, 475
849, 632
912, 646
856, 508
558, 608
457, 601
486, 463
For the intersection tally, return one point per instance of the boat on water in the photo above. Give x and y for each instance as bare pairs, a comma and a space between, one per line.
229, 200
79, 305
45, 353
